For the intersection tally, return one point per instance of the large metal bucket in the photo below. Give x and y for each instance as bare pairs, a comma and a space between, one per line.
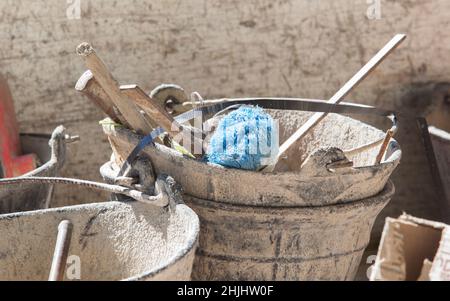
298, 243
113, 240
289, 225
52, 151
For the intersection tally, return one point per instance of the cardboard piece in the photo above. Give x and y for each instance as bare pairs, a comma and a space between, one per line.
413, 249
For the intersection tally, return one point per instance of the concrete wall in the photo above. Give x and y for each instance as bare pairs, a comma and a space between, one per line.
223, 48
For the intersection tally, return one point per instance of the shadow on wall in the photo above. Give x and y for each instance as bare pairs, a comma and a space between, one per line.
419, 190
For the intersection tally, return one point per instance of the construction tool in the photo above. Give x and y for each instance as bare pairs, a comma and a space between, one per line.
12, 162
100, 86
190, 140
168, 96
349, 86
127, 108
90, 87
157, 113
171, 97
61, 251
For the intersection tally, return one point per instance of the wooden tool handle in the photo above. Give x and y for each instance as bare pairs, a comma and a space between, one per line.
161, 117
127, 108
89, 86
384, 146
61, 251
157, 113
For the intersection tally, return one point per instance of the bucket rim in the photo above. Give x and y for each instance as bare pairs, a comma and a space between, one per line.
392, 161
383, 196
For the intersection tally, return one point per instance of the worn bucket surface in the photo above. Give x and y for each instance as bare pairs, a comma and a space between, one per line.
260, 243
51, 151
114, 241
301, 188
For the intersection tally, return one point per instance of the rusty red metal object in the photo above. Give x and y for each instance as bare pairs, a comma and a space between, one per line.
12, 162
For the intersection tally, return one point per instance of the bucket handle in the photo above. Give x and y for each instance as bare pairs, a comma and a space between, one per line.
160, 200
218, 106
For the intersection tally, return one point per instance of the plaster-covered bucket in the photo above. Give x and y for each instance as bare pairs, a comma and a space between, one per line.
113, 240
52, 151
307, 224
291, 243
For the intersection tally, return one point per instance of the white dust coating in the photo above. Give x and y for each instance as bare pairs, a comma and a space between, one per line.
115, 241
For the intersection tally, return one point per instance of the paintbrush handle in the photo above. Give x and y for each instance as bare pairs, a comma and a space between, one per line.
156, 112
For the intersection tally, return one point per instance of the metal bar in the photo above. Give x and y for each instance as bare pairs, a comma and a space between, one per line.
61, 251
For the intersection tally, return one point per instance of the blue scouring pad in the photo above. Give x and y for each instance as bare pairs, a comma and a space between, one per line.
246, 138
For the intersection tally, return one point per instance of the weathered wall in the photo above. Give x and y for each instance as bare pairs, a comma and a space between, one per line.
219, 48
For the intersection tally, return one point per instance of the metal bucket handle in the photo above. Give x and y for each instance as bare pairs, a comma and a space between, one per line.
217, 106
213, 107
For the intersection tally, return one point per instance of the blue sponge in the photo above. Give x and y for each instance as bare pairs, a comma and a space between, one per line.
246, 138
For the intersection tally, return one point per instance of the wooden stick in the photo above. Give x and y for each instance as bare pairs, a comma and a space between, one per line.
61, 251
161, 117
90, 87
156, 112
127, 108
387, 138
349, 86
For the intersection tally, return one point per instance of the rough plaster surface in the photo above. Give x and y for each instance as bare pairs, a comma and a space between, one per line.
114, 241
223, 48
